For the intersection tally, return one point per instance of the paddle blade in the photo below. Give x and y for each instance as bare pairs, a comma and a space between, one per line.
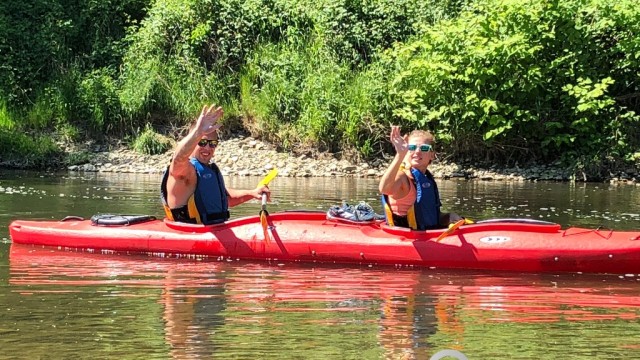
267, 179
450, 230
263, 218
265, 226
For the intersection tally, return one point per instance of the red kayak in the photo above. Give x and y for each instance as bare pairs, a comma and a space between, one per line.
500, 244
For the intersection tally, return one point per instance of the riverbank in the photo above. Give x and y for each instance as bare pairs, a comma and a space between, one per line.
246, 156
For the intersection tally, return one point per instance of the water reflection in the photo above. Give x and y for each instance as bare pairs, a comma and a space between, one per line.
222, 309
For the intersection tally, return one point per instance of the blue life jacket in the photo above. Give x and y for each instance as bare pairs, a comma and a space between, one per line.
425, 212
427, 205
208, 204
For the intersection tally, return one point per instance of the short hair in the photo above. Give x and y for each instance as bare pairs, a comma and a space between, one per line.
424, 134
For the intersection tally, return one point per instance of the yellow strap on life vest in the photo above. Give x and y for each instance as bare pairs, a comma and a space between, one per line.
411, 213
193, 210
387, 211
411, 218
167, 212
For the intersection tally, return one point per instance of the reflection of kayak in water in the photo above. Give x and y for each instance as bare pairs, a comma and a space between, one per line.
204, 300
539, 299
344, 287
519, 245
497, 296
204, 303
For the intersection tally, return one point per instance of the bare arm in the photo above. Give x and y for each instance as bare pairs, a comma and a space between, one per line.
206, 123
239, 196
395, 182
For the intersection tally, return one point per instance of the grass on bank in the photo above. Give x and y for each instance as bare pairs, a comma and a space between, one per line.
498, 81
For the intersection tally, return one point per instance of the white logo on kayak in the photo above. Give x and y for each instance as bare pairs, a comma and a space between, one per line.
495, 239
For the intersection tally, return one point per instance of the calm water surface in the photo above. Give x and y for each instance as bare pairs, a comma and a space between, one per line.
77, 305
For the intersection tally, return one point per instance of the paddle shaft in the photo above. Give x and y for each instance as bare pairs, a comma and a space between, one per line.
264, 201
263, 209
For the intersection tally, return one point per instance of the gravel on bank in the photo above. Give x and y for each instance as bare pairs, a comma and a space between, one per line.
246, 156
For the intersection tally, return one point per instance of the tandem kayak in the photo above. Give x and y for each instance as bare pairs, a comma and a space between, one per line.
303, 236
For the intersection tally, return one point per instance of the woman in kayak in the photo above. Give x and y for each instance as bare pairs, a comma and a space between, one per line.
409, 191
193, 188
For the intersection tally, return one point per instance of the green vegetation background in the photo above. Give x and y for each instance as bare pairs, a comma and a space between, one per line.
497, 81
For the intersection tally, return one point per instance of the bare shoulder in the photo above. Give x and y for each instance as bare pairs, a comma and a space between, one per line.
403, 181
182, 171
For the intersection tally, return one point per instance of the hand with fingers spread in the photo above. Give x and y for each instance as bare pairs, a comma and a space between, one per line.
399, 142
208, 120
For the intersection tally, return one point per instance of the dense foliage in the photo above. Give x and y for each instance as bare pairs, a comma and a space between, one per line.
496, 80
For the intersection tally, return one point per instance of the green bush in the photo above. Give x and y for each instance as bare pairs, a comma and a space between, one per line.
98, 96
295, 95
520, 80
7, 121
22, 150
151, 143
496, 80
77, 158
357, 30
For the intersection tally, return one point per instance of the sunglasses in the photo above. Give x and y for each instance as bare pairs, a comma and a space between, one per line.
204, 142
423, 147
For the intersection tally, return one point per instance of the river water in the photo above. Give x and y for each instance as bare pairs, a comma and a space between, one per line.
57, 304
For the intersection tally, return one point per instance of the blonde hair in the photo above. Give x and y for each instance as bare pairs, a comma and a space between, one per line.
423, 134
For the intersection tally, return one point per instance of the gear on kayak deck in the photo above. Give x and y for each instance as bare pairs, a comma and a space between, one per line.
113, 219
359, 213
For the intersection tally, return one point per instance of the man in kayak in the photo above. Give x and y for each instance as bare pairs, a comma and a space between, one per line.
193, 188
409, 191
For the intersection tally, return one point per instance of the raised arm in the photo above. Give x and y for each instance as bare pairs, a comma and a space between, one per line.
206, 123
395, 182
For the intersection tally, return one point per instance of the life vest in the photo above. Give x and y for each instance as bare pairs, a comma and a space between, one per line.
425, 211
208, 204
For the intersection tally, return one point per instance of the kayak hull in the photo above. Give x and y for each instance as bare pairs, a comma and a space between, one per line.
311, 237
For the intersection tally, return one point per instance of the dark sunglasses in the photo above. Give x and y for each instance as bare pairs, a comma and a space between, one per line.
204, 142
423, 147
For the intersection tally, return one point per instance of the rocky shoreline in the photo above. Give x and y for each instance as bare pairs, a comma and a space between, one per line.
246, 156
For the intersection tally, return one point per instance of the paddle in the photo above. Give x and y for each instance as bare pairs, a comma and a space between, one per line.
451, 229
263, 211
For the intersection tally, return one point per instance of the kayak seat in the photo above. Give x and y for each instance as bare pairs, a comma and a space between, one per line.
119, 220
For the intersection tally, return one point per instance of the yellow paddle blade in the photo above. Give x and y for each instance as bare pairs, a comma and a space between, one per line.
451, 229
267, 179
265, 226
